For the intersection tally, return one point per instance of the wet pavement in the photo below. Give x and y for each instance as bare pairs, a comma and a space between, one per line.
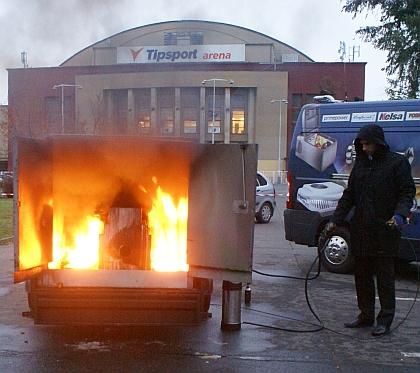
284, 328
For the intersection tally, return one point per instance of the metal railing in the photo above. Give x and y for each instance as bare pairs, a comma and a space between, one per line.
276, 177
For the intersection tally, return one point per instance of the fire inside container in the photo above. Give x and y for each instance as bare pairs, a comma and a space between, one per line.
132, 215
109, 202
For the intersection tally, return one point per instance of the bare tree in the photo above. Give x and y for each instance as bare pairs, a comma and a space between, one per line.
98, 111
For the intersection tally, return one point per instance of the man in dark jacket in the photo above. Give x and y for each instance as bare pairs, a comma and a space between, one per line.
381, 189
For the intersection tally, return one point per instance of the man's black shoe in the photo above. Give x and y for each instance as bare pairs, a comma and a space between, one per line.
359, 323
380, 330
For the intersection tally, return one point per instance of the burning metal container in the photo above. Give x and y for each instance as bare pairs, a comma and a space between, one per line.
116, 230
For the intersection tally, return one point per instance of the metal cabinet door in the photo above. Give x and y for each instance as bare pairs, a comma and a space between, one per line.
221, 211
32, 164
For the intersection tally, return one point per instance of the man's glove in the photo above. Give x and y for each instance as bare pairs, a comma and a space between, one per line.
328, 228
396, 221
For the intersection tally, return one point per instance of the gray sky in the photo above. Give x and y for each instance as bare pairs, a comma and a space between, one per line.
51, 31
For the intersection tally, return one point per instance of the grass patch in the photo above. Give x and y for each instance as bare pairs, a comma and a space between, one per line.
6, 217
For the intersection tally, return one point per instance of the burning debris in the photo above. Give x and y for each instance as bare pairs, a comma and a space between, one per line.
105, 204
117, 230
126, 238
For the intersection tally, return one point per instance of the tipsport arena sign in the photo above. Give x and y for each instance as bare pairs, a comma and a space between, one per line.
182, 53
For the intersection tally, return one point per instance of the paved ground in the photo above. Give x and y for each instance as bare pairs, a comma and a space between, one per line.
279, 333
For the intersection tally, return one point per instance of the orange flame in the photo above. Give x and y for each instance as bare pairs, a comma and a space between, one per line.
167, 222
168, 227
85, 252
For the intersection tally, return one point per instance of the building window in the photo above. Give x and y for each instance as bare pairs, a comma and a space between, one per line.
142, 109
190, 102
54, 115
238, 121
183, 38
296, 106
238, 100
120, 103
190, 120
190, 126
310, 99
297, 101
144, 121
166, 99
166, 120
214, 110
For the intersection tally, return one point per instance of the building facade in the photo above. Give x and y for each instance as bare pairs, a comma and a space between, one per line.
204, 81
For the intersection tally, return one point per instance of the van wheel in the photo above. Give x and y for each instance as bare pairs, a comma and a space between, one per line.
265, 213
337, 256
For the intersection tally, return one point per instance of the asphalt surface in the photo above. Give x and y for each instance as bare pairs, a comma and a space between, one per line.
284, 328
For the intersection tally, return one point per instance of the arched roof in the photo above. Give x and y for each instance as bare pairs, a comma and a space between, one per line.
213, 33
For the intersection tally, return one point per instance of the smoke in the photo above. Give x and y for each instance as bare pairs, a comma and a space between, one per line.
51, 31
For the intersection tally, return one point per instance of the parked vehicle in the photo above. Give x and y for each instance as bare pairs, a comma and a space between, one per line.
320, 160
6, 184
265, 200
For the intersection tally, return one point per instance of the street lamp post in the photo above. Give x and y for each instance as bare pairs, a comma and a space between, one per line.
62, 100
214, 80
281, 102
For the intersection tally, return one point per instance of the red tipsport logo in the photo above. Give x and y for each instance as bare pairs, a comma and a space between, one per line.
135, 53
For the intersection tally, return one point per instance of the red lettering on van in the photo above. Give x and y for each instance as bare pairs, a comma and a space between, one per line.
414, 115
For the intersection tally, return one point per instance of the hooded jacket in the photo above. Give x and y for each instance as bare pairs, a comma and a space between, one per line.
378, 188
